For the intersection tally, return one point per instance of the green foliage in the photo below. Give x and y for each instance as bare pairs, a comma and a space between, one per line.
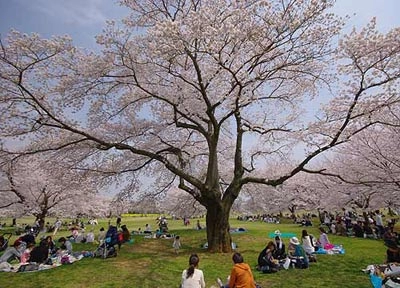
152, 262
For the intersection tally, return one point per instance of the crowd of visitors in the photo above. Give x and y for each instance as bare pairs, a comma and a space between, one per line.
348, 223
276, 255
26, 250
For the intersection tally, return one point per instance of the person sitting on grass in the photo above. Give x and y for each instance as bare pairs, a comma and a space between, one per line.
280, 249
392, 252
40, 254
241, 275
126, 235
147, 229
102, 235
307, 242
51, 245
25, 256
323, 240
65, 245
192, 277
266, 261
297, 254
13, 252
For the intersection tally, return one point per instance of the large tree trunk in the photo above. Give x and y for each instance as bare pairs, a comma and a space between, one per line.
40, 218
218, 236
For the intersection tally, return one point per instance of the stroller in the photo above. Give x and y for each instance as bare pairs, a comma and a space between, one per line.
163, 225
32, 230
4, 240
106, 248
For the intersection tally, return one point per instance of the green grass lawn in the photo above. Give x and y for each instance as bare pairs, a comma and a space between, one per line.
152, 262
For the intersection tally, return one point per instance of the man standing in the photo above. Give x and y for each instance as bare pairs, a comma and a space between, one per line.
57, 226
379, 224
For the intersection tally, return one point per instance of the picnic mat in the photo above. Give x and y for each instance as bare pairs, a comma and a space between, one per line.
282, 234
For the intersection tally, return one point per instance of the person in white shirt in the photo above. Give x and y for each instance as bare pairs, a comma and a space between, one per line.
57, 225
323, 240
192, 277
379, 224
307, 242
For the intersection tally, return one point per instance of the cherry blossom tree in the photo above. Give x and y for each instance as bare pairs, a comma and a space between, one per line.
366, 170
206, 94
34, 186
181, 204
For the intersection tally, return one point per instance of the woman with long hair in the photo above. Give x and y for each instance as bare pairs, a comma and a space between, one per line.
307, 242
323, 240
192, 277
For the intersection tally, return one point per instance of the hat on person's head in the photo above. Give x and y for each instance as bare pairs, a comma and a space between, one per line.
277, 232
294, 241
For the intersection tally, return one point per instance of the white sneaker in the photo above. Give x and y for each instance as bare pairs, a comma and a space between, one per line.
219, 281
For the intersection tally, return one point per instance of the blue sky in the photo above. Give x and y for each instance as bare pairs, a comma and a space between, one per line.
83, 19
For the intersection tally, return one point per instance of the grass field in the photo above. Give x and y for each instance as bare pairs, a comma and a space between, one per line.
152, 262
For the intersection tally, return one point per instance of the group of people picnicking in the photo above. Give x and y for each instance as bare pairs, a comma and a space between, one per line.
348, 223
272, 258
26, 251
370, 225
48, 252
299, 253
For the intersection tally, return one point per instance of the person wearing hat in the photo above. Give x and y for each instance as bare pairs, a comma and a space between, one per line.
297, 254
293, 243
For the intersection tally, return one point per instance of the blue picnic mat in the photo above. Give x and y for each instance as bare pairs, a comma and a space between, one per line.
282, 234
